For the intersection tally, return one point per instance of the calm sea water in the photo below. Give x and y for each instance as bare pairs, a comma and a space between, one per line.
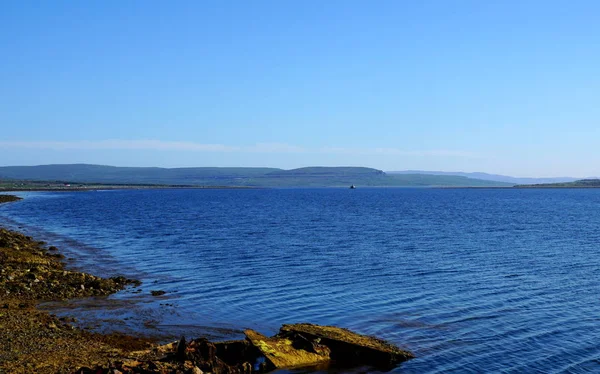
469, 280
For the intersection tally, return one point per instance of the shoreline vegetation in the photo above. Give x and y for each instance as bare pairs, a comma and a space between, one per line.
35, 341
57, 186
583, 183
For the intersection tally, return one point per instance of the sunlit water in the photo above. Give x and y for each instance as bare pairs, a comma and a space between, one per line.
470, 280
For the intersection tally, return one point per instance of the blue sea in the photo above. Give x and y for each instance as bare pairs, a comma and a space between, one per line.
469, 280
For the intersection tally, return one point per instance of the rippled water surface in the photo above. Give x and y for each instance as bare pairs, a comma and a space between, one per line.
470, 280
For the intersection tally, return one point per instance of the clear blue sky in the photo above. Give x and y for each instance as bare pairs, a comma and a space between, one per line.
507, 87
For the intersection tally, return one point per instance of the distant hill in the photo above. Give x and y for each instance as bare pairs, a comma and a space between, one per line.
582, 183
489, 177
424, 180
251, 177
85, 173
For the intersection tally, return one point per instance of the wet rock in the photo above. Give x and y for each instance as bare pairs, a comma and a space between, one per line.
180, 349
347, 347
30, 272
280, 353
234, 352
203, 353
158, 293
218, 358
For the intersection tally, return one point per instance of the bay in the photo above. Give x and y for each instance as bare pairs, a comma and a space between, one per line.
470, 280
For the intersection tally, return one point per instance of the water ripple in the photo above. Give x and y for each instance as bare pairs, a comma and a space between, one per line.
470, 280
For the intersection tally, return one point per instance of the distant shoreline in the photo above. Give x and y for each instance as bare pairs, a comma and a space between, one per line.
314, 176
116, 187
556, 187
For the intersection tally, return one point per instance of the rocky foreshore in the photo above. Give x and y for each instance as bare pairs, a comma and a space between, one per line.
34, 341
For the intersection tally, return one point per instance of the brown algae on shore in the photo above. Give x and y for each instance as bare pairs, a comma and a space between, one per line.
34, 341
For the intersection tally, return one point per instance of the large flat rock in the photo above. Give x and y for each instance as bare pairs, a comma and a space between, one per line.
347, 347
281, 353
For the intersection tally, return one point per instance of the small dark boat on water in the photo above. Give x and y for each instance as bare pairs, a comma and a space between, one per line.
352, 187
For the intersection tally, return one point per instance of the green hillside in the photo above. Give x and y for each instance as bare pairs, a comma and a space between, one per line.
84, 173
583, 183
250, 177
427, 180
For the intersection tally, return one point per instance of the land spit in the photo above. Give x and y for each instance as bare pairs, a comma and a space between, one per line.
34, 341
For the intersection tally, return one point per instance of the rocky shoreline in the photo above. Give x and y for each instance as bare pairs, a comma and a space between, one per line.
34, 341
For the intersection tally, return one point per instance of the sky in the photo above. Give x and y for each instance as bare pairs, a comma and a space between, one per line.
508, 87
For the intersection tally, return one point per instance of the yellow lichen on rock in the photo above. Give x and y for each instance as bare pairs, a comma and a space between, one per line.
280, 352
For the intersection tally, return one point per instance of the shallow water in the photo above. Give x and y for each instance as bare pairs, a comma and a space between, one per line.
470, 280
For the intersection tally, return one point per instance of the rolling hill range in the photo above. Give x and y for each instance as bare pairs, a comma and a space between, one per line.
250, 177
489, 177
582, 183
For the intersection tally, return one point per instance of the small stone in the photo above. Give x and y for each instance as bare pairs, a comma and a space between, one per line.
196, 370
247, 367
158, 293
83, 287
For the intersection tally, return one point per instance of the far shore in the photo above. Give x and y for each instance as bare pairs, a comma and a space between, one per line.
119, 187
139, 187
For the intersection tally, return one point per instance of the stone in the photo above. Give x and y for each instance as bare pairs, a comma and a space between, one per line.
180, 349
347, 347
280, 353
